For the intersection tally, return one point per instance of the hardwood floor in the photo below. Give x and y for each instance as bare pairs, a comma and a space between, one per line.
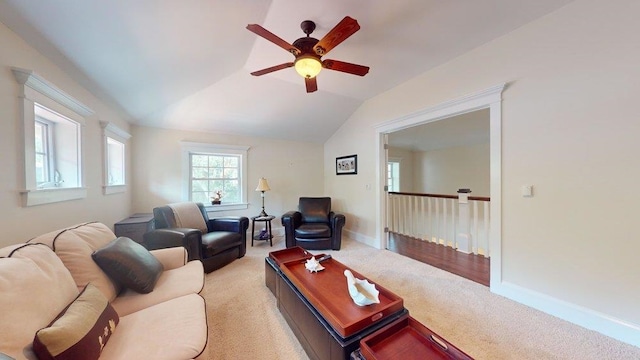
470, 266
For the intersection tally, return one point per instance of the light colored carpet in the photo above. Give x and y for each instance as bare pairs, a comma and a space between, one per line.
244, 322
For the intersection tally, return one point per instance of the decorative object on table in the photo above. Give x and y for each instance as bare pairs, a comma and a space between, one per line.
262, 187
361, 291
313, 265
347, 165
215, 200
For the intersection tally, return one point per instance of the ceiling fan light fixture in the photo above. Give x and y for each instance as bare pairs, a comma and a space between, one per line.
308, 66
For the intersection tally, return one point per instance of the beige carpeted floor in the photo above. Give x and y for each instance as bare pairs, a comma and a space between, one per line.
244, 322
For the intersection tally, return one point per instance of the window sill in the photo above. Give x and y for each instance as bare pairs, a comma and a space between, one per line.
225, 207
47, 196
114, 189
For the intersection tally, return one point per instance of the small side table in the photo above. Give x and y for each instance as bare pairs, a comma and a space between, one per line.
267, 220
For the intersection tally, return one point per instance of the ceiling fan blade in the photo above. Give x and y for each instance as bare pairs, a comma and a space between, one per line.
345, 28
346, 67
272, 69
312, 84
260, 31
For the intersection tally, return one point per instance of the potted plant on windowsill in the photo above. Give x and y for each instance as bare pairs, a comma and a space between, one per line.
215, 200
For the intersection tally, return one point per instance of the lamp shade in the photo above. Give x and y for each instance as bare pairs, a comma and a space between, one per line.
308, 66
263, 185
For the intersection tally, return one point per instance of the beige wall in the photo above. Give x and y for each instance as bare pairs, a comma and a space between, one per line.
570, 128
292, 169
407, 166
20, 223
444, 171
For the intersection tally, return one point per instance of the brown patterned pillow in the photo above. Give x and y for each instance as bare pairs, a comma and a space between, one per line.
80, 331
129, 264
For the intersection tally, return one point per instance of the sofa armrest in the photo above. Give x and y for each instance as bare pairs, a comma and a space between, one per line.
337, 221
290, 220
190, 239
237, 224
171, 258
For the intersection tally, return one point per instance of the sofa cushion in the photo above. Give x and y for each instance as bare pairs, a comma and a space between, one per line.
35, 286
81, 331
129, 264
174, 329
216, 242
173, 283
314, 209
74, 246
313, 231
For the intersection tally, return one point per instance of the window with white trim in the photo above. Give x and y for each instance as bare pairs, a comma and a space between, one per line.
115, 158
393, 176
52, 121
210, 170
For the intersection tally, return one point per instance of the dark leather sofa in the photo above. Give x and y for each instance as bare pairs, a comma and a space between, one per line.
313, 226
225, 240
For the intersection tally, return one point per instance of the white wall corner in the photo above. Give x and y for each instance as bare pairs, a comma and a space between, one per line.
590, 319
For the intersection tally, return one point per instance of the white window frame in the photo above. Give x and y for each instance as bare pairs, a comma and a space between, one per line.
35, 89
189, 148
111, 131
397, 181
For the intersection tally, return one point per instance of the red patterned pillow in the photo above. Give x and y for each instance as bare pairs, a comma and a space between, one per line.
80, 331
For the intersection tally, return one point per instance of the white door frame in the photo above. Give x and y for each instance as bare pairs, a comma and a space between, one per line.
490, 98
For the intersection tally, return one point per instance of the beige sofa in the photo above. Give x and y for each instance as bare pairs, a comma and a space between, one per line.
40, 278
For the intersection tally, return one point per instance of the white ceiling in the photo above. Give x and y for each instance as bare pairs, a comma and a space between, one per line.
186, 64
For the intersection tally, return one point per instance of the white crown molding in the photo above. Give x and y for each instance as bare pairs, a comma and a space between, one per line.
107, 126
36, 82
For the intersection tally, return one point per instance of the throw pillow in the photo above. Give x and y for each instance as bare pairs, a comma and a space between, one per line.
80, 331
129, 264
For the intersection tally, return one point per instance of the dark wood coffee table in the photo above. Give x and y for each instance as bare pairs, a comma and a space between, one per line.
318, 308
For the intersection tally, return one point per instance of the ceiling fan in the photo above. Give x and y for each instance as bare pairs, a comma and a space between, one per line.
308, 51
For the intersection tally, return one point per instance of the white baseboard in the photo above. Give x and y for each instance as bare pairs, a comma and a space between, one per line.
590, 319
367, 240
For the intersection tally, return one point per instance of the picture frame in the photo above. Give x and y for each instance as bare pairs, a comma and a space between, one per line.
347, 165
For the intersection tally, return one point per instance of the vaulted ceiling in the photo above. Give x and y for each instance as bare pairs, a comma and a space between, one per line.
186, 64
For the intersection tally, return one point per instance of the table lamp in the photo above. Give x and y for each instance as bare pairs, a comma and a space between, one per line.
262, 187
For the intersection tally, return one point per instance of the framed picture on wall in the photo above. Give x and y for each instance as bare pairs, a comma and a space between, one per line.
347, 165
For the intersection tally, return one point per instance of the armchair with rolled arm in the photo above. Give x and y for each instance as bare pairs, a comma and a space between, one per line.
216, 242
313, 226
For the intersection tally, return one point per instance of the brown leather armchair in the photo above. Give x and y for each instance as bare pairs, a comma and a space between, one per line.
314, 226
224, 240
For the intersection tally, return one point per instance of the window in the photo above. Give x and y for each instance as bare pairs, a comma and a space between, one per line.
393, 175
44, 152
210, 169
115, 162
57, 149
52, 121
115, 158
215, 173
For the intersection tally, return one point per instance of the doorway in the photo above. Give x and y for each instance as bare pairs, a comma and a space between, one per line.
490, 99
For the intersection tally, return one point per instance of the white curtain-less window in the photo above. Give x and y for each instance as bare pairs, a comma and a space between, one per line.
209, 169
52, 123
215, 174
393, 176
115, 158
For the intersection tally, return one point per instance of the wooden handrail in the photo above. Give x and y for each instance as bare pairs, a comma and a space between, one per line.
478, 198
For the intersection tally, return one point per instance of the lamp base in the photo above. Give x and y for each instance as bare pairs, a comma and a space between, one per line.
263, 213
